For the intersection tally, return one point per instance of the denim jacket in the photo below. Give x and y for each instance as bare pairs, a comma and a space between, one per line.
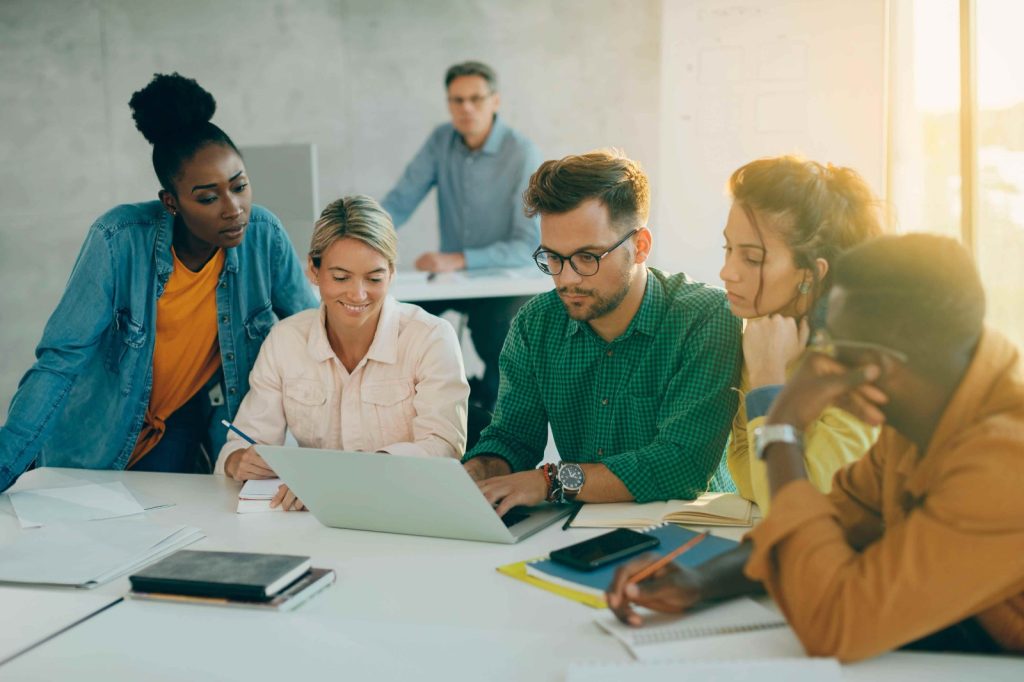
83, 402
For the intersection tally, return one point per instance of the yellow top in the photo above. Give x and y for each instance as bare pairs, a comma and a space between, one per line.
836, 439
186, 354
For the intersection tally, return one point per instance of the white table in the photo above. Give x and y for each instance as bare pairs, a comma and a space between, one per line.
403, 608
415, 287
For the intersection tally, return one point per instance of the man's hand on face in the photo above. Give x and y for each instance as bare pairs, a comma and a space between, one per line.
820, 382
441, 262
525, 488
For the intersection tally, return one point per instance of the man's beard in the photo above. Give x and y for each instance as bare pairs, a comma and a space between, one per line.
599, 305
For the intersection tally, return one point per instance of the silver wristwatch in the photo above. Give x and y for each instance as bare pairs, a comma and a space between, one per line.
570, 476
776, 433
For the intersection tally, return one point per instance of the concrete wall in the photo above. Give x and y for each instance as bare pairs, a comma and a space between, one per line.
742, 80
362, 79
691, 88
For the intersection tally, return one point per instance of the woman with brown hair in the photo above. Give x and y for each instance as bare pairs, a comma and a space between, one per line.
790, 219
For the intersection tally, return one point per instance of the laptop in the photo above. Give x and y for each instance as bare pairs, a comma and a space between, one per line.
432, 496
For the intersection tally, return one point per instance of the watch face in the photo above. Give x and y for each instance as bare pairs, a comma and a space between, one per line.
571, 476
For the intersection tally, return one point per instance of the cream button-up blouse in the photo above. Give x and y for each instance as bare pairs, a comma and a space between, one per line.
408, 396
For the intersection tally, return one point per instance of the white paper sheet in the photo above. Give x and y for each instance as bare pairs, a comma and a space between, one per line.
40, 614
89, 553
77, 503
260, 489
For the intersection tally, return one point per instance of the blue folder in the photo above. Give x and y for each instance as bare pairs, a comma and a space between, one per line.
671, 536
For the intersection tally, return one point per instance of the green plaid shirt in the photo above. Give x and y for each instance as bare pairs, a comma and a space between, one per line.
655, 405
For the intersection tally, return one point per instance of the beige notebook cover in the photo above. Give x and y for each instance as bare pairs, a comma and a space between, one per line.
710, 509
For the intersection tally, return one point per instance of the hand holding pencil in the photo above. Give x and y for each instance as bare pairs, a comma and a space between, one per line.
654, 582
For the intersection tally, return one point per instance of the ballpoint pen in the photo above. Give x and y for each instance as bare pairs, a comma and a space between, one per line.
572, 516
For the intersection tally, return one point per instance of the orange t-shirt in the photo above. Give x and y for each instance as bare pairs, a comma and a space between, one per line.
186, 354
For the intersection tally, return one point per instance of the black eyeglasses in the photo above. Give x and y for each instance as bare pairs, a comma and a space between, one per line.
584, 263
823, 342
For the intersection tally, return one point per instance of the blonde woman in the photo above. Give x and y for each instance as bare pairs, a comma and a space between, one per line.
363, 372
790, 219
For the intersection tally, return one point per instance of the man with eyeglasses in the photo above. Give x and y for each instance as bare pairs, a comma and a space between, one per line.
632, 367
920, 544
480, 167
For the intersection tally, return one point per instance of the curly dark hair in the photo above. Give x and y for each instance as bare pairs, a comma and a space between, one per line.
173, 113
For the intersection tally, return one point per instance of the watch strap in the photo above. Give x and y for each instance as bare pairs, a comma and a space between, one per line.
768, 434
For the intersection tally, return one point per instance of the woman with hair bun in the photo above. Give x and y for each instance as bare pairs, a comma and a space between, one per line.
790, 219
164, 313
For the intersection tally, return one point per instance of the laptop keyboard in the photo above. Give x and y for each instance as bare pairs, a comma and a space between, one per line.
514, 516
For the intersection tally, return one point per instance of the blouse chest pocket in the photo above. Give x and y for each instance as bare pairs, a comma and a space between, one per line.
305, 405
390, 403
257, 325
126, 340
305, 392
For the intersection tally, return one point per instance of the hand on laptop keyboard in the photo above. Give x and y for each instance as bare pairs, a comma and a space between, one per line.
514, 516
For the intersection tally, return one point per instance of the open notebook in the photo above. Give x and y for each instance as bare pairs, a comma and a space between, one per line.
710, 509
668, 637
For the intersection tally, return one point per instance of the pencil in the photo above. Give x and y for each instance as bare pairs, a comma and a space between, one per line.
663, 561
231, 426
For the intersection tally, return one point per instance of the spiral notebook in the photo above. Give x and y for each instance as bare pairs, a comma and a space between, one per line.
807, 670
661, 635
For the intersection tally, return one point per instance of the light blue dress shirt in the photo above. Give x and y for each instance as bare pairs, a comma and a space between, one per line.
479, 194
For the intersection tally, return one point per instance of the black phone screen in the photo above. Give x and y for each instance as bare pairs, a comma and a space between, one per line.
603, 549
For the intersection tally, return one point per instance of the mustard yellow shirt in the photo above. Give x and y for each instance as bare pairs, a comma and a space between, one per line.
910, 542
187, 352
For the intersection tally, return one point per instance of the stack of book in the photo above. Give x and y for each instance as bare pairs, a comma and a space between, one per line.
270, 581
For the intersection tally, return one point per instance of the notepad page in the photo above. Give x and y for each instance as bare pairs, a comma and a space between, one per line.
260, 489
790, 670
710, 509
666, 636
620, 515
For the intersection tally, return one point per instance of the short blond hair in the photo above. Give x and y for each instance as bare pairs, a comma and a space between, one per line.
357, 217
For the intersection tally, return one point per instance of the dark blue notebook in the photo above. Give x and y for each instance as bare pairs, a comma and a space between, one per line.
595, 582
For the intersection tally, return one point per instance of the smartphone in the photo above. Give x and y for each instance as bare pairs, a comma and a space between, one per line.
604, 549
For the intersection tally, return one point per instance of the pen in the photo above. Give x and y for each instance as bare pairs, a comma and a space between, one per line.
572, 516
231, 426
663, 561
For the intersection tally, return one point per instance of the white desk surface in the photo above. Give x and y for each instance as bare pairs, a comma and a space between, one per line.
403, 607
413, 287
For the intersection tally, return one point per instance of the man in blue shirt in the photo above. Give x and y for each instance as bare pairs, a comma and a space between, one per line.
480, 167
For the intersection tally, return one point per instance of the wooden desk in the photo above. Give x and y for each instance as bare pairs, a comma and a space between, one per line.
404, 607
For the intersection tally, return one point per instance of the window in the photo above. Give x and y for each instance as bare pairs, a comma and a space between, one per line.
956, 163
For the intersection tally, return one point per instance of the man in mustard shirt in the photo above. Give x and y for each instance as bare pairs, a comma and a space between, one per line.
920, 542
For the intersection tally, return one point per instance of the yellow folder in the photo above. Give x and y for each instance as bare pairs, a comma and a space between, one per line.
518, 571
